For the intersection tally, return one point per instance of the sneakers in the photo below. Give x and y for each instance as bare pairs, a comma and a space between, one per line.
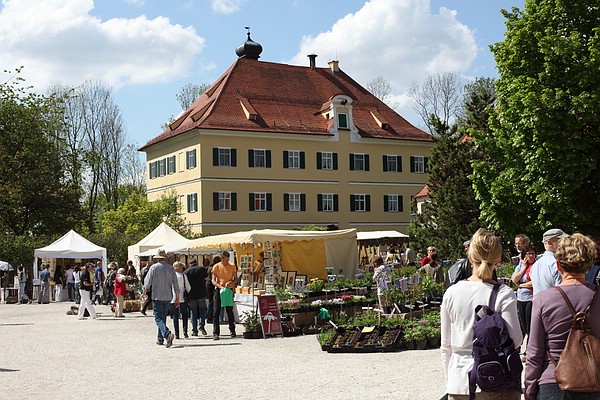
143, 312
170, 338
203, 331
215, 337
177, 337
158, 342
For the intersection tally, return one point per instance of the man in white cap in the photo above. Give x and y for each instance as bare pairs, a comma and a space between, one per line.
163, 281
544, 273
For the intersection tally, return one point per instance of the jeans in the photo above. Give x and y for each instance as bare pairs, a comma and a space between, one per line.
551, 391
161, 308
198, 309
183, 312
71, 290
217, 312
77, 295
44, 293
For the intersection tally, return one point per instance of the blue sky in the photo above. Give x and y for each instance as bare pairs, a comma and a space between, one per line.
147, 50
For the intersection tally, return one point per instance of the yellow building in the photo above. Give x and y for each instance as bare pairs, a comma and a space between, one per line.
279, 146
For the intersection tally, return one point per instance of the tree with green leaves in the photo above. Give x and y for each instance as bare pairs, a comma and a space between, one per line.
541, 168
37, 196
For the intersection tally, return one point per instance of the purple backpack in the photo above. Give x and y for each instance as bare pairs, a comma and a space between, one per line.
497, 365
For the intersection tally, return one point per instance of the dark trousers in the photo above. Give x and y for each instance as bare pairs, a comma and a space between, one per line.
524, 311
147, 301
551, 391
217, 312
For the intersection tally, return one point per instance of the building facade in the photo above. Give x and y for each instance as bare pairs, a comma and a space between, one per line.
278, 146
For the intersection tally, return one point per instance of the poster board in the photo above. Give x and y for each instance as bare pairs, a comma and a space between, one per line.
270, 317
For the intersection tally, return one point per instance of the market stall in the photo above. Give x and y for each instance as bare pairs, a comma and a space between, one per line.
160, 236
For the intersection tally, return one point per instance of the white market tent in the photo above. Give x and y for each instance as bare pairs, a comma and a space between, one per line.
376, 235
308, 252
71, 245
160, 236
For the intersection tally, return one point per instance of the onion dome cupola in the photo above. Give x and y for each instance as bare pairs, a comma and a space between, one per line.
249, 49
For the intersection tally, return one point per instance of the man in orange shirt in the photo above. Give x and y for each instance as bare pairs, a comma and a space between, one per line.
223, 275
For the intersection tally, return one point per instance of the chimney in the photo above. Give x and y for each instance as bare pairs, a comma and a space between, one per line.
312, 60
334, 65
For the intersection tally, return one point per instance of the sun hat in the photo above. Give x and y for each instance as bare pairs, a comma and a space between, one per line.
160, 254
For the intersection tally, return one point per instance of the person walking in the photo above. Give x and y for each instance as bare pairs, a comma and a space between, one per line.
58, 284
197, 277
180, 311
551, 319
22, 277
163, 281
70, 283
45, 285
223, 276
457, 317
77, 284
120, 290
85, 292
147, 292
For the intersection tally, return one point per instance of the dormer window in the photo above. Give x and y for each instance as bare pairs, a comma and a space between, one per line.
343, 121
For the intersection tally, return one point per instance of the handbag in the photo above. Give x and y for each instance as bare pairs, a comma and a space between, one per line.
578, 368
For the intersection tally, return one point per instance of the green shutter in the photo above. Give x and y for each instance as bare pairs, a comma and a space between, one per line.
302, 202
251, 203
426, 162
286, 202
386, 206
215, 158
400, 203
215, 201
352, 205
366, 162
233, 157
399, 163
368, 202
335, 161
385, 166
269, 202
351, 162
302, 160
250, 158
233, 201
335, 202
412, 164
286, 162
268, 156
319, 202
319, 160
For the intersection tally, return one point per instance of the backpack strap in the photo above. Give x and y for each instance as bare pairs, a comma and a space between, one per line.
494, 296
573, 312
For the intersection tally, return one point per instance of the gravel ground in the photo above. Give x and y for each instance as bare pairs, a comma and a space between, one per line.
50, 355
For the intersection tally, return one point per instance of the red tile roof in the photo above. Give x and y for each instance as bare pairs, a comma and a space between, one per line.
424, 192
262, 96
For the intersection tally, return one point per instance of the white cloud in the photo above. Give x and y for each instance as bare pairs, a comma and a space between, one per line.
401, 40
58, 40
226, 6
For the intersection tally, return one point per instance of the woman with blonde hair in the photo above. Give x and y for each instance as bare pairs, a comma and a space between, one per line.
458, 317
551, 319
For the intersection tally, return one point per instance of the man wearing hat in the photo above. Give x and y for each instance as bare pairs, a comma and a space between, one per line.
544, 273
163, 281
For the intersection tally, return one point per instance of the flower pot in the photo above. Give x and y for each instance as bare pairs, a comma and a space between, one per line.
421, 344
253, 335
411, 345
433, 343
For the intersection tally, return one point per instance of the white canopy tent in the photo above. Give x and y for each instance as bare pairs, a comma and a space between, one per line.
71, 245
376, 235
160, 236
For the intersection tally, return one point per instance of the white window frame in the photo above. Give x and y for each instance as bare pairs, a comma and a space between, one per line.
327, 160
294, 159
260, 201
192, 202
294, 202
393, 203
224, 156
260, 158
328, 203
392, 162
359, 161
419, 163
360, 202
224, 201
190, 156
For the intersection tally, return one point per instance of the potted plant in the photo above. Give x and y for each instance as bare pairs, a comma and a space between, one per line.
324, 338
434, 335
417, 335
252, 325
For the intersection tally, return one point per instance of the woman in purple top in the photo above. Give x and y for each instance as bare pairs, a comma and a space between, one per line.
551, 319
